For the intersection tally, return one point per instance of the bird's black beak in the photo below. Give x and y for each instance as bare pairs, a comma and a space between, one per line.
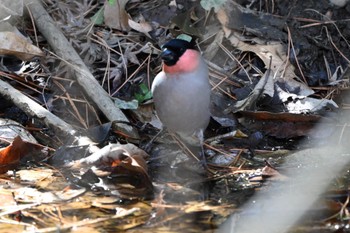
168, 56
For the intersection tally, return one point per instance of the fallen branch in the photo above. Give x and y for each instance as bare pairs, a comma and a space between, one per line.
33, 109
82, 75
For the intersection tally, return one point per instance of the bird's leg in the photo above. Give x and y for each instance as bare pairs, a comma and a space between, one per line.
148, 146
200, 136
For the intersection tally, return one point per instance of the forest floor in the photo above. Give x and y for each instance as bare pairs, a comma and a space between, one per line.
279, 72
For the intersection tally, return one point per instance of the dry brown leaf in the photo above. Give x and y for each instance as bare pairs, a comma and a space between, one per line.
40, 177
116, 161
9, 129
115, 154
272, 174
11, 155
32, 195
12, 44
115, 15
7, 199
142, 26
281, 69
192, 207
183, 21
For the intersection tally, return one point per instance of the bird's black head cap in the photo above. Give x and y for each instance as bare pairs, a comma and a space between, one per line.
173, 50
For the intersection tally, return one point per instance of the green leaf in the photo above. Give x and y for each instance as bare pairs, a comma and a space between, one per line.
143, 88
98, 18
144, 93
148, 95
122, 104
184, 37
112, 2
138, 97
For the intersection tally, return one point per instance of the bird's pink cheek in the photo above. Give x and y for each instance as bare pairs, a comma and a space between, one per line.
188, 62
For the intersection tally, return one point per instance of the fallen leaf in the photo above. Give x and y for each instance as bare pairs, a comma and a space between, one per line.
12, 44
38, 177
269, 171
124, 166
294, 94
98, 17
264, 86
32, 195
280, 125
7, 199
115, 15
183, 22
11, 155
282, 70
9, 129
142, 26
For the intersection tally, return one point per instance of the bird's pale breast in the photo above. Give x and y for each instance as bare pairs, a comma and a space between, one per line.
182, 100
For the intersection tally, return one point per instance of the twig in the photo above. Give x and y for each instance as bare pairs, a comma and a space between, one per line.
85, 79
235, 59
295, 55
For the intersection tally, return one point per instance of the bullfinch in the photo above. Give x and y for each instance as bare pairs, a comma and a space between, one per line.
181, 91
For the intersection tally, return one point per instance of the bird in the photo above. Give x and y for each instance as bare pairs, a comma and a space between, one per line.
181, 91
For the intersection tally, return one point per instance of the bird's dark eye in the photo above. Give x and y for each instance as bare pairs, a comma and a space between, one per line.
169, 57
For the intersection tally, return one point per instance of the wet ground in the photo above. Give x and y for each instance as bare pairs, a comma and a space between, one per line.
312, 35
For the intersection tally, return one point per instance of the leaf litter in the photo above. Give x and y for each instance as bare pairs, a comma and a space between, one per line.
271, 85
